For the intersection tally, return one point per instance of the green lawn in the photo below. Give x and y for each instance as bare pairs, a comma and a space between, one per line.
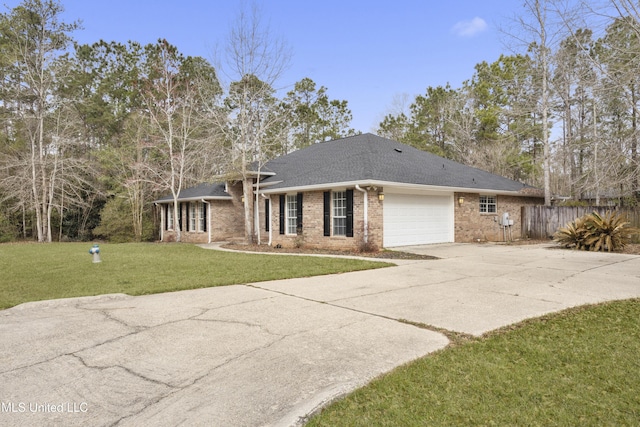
32, 272
580, 367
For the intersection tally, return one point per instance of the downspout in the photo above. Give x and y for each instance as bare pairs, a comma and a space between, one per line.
268, 219
366, 213
161, 222
208, 219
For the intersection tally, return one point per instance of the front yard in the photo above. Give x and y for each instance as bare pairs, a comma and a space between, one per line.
32, 272
579, 367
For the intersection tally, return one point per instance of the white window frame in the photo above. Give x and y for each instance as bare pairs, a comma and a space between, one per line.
291, 214
488, 204
201, 216
193, 217
169, 217
339, 213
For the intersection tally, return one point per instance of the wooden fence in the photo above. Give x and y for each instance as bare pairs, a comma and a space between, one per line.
541, 222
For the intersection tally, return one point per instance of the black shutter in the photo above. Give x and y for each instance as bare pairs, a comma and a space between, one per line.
282, 200
188, 226
327, 213
299, 213
204, 213
267, 208
349, 213
166, 216
180, 216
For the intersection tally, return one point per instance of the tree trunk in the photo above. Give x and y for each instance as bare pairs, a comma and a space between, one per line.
247, 187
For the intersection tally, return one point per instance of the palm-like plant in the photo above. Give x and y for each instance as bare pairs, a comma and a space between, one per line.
572, 234
610, 232
595, 232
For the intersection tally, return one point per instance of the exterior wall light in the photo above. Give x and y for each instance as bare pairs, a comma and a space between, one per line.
460, 200
381, 196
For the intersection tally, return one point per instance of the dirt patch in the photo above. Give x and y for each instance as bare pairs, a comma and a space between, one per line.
384, 254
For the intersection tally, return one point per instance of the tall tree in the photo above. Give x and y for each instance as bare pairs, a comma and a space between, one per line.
618, 52
34, 40
315, 117
172, 89
536, 22
255, 60
575, 80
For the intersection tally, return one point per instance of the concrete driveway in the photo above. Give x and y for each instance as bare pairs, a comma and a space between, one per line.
271, 353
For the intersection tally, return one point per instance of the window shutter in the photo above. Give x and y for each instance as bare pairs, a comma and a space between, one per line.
299, 213
282, 201
166, 217
267, 208
180, 216
349, 213
188, 227
204, 214
327, 213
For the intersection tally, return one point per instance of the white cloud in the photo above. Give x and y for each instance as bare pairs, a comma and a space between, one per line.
470, 28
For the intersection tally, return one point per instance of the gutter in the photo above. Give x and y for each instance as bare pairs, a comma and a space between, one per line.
366, 213
208, 219
392, 185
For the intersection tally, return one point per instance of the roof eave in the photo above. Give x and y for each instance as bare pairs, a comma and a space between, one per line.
392, 184
193, 199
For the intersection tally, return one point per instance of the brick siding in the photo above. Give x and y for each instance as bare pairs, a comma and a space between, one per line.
313, 223
224, 221
473, 226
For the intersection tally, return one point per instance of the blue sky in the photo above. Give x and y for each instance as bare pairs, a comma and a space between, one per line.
365, 52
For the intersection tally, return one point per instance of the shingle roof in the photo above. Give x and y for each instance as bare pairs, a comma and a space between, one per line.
369, 157
202, 191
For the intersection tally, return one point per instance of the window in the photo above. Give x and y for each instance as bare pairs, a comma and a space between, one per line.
169, 217
193, 216
292, 214
488, 204
339, 213
202, 217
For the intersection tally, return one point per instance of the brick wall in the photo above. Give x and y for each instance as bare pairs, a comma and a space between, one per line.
224, 221
227, 216
473, 226
313, 223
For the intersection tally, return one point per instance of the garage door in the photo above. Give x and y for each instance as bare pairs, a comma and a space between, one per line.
415, 219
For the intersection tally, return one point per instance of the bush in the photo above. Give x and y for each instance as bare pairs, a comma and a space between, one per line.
572, 235
8, 231
115, 222
594, 232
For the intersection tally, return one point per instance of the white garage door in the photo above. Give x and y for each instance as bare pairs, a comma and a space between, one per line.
416, 219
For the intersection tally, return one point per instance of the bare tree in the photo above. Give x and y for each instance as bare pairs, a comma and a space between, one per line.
539, 12
34, 40
171, 94
254, 61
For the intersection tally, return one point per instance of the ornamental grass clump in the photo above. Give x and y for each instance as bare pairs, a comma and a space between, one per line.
594, 232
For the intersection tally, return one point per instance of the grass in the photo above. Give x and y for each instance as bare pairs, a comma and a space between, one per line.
577, 367
32, 272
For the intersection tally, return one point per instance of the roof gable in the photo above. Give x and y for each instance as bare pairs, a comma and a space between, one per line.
369, 157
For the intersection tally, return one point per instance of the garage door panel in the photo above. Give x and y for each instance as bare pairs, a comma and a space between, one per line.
414, 219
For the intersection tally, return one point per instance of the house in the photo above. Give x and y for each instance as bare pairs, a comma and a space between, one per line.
363, 189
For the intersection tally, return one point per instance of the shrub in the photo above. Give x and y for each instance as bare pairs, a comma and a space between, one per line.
594, 232
572, 235
8, 231
115, 222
